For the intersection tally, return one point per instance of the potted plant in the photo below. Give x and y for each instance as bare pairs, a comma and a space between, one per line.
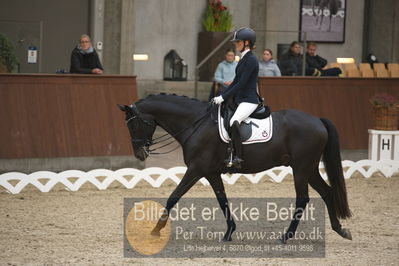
217, 24
217, 17
8, 60
386, 111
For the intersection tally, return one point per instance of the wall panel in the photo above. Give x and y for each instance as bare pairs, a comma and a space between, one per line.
345, 101
64, 115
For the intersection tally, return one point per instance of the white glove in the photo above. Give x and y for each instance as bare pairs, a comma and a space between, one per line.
218, 100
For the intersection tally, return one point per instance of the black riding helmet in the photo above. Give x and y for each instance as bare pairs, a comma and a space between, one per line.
245, 34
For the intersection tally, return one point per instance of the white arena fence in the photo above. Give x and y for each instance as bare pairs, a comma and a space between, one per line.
365, 168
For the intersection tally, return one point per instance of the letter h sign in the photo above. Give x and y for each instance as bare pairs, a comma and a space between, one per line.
383, 145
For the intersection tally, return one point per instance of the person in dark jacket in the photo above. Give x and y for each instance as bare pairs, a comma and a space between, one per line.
243, 90
290, 63
84, 58
313, 60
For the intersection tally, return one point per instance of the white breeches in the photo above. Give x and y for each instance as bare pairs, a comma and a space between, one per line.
244, 110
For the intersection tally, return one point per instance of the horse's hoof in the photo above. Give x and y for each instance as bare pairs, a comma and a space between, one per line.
345, 233
229, 233
155, 233
227, 239
281, 241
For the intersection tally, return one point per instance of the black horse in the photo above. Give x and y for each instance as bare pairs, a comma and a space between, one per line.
299, 140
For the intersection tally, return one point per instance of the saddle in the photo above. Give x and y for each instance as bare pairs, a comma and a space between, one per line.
227, 111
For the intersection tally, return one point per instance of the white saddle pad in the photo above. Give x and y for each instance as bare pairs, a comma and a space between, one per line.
262, 133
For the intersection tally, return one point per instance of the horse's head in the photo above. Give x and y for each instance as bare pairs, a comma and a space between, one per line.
141, 128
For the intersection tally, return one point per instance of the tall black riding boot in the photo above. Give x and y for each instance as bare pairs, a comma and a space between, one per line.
236, 139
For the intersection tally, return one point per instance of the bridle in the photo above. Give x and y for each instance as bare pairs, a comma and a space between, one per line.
147, 142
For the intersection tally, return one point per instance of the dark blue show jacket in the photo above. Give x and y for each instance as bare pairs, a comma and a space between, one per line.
244, 84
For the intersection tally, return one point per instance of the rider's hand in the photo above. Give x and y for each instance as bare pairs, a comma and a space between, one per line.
218, 100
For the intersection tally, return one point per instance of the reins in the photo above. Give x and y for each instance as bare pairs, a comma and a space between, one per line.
148, 143
196, 122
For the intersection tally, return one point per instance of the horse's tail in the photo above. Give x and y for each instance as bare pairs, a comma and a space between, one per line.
333, 166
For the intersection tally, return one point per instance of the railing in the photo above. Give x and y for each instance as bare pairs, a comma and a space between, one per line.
197, 67
220, 45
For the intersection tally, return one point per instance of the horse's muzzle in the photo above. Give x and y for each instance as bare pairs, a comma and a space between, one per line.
142, 153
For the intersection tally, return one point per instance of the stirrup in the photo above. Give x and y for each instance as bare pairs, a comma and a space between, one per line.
229, 160
237, 162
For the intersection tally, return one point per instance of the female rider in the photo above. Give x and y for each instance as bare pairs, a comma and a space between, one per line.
243, 89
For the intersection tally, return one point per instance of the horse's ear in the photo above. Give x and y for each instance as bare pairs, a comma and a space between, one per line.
123, 108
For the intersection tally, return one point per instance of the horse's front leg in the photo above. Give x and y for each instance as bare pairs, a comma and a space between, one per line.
188, 180
218, 187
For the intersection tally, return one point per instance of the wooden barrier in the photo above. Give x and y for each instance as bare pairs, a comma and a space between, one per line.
48, 115
345, 101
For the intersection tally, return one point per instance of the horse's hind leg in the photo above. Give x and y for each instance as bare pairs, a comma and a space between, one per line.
188, 180
218, 187
325, 191
302, 199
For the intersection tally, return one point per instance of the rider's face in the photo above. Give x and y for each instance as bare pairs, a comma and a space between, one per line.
239, 45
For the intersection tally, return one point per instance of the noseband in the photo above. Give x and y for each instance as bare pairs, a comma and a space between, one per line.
146, 142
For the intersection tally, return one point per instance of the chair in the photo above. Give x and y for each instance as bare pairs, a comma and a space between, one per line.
367, 73
353, 73
394, 73
350, 66
381, 73
364, 66
378, 66
392, 66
